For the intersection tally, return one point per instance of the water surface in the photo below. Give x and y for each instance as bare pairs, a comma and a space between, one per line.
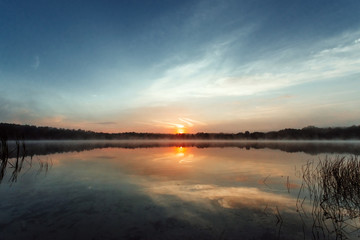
164, 190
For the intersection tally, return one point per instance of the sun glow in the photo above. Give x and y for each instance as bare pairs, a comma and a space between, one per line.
180, 151
181, 126
180, 130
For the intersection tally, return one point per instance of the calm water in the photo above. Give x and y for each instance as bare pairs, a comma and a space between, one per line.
165, 190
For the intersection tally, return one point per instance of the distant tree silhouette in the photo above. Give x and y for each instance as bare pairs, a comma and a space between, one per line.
16, 131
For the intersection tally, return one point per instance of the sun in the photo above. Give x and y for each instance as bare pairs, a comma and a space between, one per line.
180, 130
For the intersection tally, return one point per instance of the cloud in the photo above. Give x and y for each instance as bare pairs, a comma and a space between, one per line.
167, 124
190, 122
36, 62
15, 112
106, 123
51, 121
214, 75
184, 123
226, 197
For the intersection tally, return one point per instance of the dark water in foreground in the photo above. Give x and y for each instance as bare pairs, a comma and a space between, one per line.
167, 190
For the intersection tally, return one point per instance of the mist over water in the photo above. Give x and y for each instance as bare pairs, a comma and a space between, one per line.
165, 190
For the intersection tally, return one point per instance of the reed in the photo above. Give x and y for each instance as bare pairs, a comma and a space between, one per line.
15, 159
4, 156
333, 185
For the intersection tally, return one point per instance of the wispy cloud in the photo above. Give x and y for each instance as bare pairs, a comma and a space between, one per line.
36, 62
181, 123
106, 123
165, 124
191, 122
210, 77
227, 197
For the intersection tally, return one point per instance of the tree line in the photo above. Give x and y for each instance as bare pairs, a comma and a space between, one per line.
27, 132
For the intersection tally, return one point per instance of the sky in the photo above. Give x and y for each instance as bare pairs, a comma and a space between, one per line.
180, 66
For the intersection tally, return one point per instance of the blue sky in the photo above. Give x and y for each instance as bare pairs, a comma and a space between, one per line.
158, 66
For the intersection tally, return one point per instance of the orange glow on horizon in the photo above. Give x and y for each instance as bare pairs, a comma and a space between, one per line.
180, 130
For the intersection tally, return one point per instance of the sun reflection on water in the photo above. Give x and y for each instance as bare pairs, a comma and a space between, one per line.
181, 152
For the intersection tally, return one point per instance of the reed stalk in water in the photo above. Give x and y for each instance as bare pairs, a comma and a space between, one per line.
333, 186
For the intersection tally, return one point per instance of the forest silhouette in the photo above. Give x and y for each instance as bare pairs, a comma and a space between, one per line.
27, 132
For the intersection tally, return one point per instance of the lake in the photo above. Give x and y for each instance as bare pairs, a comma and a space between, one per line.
174, 190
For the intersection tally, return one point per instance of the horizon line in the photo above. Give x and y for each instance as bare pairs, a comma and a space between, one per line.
185, 133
